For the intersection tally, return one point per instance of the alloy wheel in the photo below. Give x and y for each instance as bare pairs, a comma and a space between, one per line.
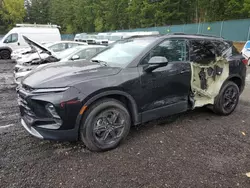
109, 127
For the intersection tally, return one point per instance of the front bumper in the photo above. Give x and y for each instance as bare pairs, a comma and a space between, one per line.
31, 130
40, 123
48, 134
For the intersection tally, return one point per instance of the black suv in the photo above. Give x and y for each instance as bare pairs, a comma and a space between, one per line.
131, 82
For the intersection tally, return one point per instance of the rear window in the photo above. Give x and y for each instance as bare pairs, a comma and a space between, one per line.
202, 51
225, 48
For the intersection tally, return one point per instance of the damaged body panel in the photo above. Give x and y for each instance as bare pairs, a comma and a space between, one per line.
207, 80
212, 64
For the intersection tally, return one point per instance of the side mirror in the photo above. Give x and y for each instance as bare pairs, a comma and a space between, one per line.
75, 57
156, 62
6, 41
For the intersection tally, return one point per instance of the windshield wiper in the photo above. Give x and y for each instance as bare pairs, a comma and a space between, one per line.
104, 63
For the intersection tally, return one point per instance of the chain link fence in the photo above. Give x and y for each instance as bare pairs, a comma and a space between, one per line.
235, 30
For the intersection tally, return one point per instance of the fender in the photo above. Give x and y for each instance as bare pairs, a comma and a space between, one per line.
6, 48
233, 76
135, 116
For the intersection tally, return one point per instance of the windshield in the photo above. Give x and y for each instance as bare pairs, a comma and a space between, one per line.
68, 52
123, 52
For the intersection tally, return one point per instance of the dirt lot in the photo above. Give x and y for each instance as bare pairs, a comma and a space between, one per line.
200, 149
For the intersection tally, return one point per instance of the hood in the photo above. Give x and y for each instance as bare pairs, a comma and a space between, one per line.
67, 74
33, 44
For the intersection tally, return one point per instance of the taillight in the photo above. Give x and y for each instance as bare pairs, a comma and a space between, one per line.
245, 61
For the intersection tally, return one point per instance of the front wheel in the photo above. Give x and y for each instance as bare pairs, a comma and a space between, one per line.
105, 125
5, 54
227, 100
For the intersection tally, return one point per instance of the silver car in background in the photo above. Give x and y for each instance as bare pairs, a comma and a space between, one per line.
70, 55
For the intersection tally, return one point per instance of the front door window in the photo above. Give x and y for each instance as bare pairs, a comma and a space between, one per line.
174, 50
11, 38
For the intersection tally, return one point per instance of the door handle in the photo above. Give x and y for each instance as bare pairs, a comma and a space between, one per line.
18, 44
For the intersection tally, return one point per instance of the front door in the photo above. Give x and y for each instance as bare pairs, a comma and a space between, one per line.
165, 90
12, 41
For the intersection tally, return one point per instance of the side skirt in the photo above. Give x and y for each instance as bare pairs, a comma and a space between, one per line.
164, 111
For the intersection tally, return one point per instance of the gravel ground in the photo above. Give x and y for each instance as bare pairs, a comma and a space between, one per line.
200, 149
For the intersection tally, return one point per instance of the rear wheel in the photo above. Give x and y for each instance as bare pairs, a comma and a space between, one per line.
227, 100
5, 54
105, 125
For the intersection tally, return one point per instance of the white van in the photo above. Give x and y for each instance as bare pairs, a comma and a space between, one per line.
13, 39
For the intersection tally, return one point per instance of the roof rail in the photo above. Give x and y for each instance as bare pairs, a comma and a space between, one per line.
138, 36
204, 35
38, 25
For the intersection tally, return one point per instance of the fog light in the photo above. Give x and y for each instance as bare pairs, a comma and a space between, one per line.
51, 109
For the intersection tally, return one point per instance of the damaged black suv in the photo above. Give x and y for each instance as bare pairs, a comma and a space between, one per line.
131, 82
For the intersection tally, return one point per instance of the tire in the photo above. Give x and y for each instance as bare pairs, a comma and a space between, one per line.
227, 100
102, 129
5, 54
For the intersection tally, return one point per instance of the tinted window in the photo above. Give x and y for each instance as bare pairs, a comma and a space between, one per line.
221, 47
203, 51
173, 50
225, 49
11, 38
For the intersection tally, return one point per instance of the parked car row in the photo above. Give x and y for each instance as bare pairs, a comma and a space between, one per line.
109, 38
42, 55
97, 98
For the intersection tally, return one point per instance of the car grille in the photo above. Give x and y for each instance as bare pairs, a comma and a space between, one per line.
24, 106
29, 106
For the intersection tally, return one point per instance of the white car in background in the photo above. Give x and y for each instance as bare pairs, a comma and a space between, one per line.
103, 38
32, 53
69, 55
78, 36
113, 37
246, 51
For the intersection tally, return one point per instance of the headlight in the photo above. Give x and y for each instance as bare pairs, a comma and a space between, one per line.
50, 90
